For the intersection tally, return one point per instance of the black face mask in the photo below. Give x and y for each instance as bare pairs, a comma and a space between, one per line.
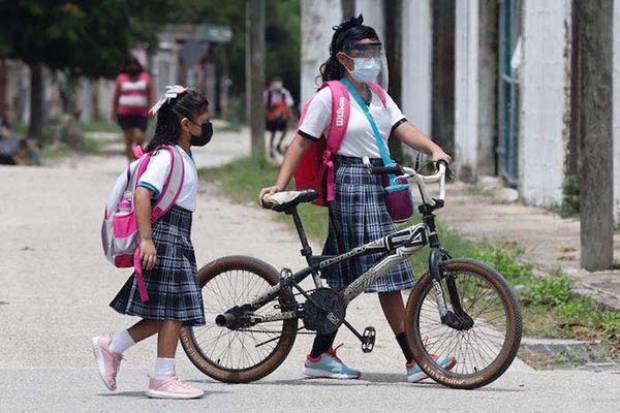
204, 137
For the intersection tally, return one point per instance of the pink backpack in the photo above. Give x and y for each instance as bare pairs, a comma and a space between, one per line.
119, 232
316, 169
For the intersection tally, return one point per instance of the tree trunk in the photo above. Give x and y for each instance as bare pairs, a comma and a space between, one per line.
393, 10
255, 73
35, 130
595, 112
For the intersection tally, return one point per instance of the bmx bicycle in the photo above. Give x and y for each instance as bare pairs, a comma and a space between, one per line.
459, 307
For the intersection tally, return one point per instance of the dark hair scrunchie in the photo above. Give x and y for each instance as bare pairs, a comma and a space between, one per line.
352, 22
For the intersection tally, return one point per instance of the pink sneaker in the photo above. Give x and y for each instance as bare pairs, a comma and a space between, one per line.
107, 362
172, 388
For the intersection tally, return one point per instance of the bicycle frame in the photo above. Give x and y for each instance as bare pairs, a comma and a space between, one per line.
396, 247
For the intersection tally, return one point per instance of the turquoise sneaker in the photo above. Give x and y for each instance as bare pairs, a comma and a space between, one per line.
415, 373
328, 365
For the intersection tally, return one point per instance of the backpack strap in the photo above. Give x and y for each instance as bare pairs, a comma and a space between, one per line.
341, 111
169, 194
173, 185
172, 188
379, 91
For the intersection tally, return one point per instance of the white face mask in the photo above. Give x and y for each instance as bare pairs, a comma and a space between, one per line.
366, 69
276, 85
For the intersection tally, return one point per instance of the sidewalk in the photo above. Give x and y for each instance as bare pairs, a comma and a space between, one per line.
491, 213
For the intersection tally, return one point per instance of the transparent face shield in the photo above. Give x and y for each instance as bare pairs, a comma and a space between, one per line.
365, 50
369, 54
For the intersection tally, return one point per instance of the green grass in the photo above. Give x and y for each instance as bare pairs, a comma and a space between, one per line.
100, 126
549, 309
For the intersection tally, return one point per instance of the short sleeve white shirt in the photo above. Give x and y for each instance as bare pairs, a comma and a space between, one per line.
154, 177
359, 139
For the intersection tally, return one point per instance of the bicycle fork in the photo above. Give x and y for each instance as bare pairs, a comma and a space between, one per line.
458, 318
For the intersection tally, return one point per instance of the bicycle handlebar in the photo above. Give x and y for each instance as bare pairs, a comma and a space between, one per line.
421, 180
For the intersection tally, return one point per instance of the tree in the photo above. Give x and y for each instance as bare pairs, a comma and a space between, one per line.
83, 37
594, 29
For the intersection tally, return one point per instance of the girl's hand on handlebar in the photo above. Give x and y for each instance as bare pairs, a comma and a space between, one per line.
267, 191
440, 155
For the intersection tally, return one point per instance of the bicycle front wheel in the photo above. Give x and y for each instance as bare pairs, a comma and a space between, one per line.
244, 354
484, 344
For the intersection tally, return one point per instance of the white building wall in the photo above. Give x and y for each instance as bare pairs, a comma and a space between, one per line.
317, 19
417, 47
616, 108
543, 76
466, 87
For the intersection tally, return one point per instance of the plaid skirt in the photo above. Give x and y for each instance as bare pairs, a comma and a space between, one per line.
173, 289
357, 216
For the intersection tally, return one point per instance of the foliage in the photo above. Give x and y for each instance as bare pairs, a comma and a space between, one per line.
550, 290
282, 37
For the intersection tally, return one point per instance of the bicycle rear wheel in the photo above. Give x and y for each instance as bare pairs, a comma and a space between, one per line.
484, 350
245, 354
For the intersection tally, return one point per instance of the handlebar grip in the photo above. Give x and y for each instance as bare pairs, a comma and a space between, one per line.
383, 170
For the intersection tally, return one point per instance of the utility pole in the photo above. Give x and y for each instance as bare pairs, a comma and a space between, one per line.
255, 73
595, 31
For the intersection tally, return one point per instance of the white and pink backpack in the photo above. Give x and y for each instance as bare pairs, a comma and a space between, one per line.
119, 232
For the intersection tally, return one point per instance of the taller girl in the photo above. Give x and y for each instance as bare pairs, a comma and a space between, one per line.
358, 213
167, 253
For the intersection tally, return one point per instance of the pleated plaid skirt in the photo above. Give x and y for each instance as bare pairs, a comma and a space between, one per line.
173, 289
358, 215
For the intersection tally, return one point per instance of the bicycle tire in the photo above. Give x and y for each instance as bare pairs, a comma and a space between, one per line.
205, 362
508, 351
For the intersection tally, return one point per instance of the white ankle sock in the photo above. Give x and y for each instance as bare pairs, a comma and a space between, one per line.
121, 341
164, 368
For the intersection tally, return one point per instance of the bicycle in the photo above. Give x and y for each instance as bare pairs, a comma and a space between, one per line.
456, 306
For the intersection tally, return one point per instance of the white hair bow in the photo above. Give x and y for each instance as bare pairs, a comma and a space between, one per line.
172, 92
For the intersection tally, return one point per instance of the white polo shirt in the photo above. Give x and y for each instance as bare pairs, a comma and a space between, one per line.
359, 139
157, 171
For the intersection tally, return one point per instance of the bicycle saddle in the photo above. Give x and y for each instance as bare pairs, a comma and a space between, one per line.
284, 201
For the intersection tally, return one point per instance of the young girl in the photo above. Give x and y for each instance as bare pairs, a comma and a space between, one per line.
133, 93
358, 214
167, 253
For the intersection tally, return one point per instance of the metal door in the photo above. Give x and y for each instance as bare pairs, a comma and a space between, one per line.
509, 54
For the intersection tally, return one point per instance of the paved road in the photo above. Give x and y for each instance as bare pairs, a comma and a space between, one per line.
56, 286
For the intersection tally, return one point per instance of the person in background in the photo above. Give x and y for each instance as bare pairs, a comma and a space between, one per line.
278, 104
133, 96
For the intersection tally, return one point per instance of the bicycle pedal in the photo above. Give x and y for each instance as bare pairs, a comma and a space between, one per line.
368, 339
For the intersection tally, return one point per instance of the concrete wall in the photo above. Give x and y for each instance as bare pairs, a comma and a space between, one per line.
475, 71
544, 102
466, 65
417, 58
616, 115
317, 19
